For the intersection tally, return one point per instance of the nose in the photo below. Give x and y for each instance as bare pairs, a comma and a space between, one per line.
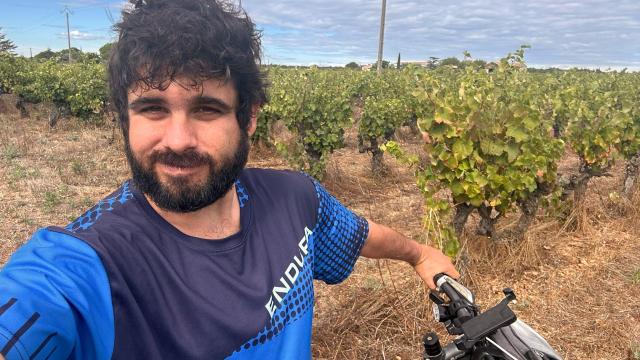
180, 134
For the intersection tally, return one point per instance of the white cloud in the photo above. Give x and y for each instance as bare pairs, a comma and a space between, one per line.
580, 32
79, 35
559, 32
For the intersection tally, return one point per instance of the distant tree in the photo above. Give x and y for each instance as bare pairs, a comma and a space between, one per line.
6, 45
351, 65
90, 57
45, 55
385, 64
63, 55
399, 65
453, 61
433, 62
105, 51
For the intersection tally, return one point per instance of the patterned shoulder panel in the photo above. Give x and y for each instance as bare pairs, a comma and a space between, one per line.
338, 238
243, 195
110, 203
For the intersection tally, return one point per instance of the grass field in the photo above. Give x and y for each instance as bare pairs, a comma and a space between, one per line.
578, 286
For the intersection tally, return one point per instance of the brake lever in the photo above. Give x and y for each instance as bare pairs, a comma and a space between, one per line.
436, 299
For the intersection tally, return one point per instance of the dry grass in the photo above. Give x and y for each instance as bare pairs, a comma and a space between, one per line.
51, 175
579, 288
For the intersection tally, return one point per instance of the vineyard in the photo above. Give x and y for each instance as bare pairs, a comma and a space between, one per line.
492, 139
493, 154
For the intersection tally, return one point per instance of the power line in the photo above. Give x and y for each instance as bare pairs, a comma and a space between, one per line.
109, 16
40, 22
95, 5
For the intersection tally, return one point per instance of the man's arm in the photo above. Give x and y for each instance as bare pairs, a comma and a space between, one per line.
50, 285
385, 243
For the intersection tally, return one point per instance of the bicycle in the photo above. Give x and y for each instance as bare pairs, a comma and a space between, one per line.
495, 334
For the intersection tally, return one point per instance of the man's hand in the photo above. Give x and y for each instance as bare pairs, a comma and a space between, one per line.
433, 262
385, 243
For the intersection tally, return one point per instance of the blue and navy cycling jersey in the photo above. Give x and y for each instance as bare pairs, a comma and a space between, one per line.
120, 282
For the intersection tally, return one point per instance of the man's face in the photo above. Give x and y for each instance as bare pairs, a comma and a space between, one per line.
185, 147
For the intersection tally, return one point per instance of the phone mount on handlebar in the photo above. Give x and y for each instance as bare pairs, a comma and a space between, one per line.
488, 322
462, 317
479, 334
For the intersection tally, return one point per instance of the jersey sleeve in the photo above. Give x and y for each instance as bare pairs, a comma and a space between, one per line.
55, 301
338, 237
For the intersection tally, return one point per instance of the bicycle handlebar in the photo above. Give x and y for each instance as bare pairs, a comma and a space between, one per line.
462, 317
460, 302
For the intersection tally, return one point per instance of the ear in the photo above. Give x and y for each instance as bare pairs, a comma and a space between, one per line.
253, 121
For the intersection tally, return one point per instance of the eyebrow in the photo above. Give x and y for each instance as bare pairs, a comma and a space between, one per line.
141, 101
200, 100
208, 100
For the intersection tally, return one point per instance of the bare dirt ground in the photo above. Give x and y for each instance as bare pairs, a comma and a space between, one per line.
579, 287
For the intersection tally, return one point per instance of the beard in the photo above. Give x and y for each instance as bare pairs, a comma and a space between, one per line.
178, 194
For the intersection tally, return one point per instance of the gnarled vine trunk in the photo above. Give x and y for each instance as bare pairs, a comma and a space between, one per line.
631, 171
412, 123
20, 106
528, 209
487, 224
377, 165
461, 216
58, 112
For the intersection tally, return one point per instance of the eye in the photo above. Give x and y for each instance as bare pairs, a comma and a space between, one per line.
207, 110
152, 109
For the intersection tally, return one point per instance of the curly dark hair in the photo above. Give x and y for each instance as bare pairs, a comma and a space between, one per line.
160, 40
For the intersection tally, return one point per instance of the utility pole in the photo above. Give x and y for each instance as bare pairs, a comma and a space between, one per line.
30, 54
381, 43
66, 12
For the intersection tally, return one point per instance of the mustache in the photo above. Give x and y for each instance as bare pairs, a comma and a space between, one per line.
186, 159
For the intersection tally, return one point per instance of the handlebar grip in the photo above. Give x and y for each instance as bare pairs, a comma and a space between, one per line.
450, 291
446, 287
453, 295
438, 277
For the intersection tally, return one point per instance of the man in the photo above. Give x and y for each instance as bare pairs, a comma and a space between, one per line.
195, 257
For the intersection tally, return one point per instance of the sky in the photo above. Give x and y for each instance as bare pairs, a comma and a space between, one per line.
586, 33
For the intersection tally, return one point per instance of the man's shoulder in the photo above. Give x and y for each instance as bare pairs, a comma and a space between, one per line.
282, 191
115, 207
54, 252
45, 279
